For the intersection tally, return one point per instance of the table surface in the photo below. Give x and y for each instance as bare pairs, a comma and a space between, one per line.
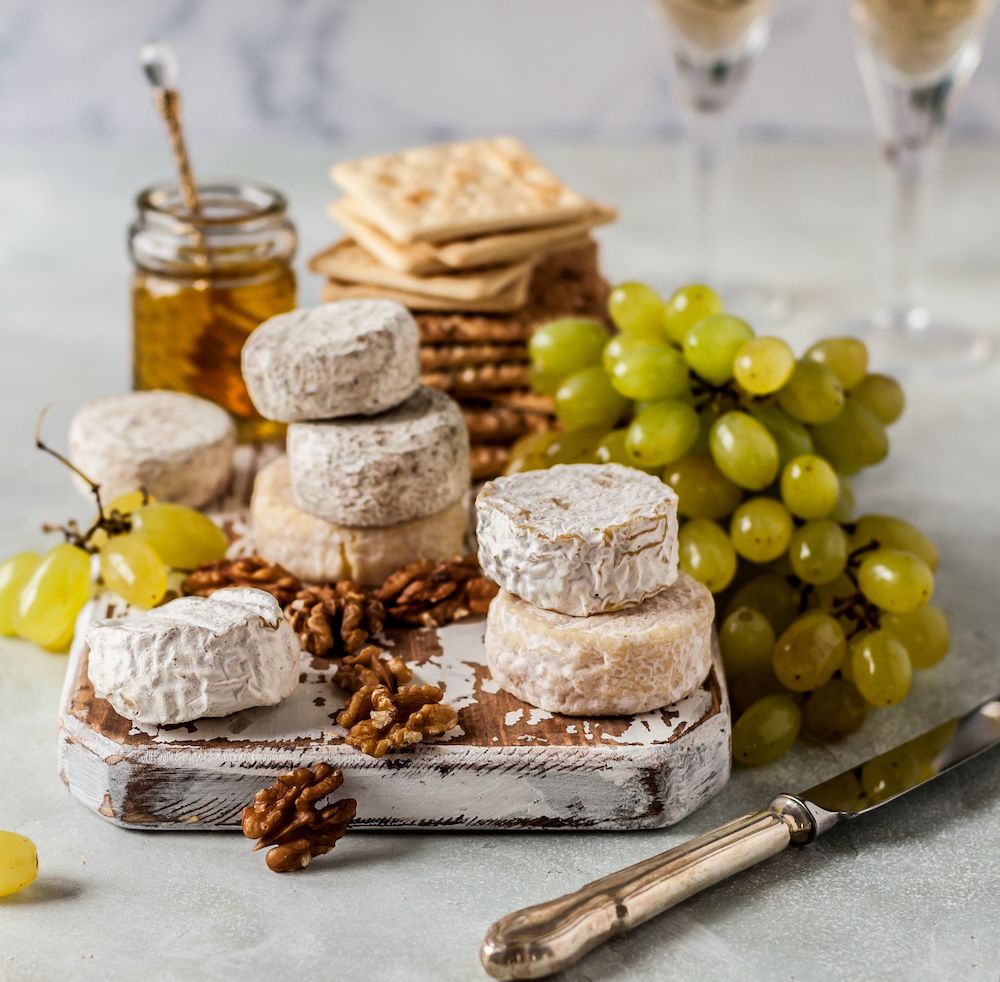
910, 889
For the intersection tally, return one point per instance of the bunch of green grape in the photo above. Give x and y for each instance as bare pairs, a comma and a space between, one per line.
823, 616
136, 542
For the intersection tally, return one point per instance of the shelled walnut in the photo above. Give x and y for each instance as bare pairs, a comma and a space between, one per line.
432, 594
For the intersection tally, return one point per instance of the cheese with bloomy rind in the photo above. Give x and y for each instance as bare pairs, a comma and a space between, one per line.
621, 662
371, 471
176, 446
195, 657
316, 550
355, 357
579, 538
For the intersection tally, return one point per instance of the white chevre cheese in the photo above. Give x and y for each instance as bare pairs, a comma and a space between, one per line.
370, 471
195, 657
176, 446
621, 662
316, 550
579, 538
355, 357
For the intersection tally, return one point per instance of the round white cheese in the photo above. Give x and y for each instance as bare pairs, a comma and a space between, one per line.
318, 551
579, 538
195, 657
176, 446
621, 662
339, 359
371, 471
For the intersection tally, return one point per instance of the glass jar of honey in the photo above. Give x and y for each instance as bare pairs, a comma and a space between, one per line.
202, 283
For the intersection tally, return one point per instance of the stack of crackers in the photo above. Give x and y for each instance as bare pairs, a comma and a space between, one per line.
482, 243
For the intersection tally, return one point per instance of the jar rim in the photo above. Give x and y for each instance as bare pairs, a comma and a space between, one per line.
259, 201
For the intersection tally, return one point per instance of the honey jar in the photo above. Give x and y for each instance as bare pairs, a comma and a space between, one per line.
202, 283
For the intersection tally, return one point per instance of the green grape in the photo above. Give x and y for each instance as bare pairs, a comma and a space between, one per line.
710, 346
587, 398
809, 487
773, 596
893, 533
706, 554
182, 537
880, 668
661, 433
562, 347
133, 570
128, 502
707, 416
528, 453
53, 595
766, 730
763, 365
575, 447
14, 573
880, 395
852, 440
818, 551
761, 529
703, 491
789, 434
843, 511
612, 450
808, 652
835, 710
892, 772
638, 310
618, 346
746, 640
686, 307
744, 450
813, 394
895, 580
923, 632
828, 595
847, 358
546, 385
650, 372
18, 862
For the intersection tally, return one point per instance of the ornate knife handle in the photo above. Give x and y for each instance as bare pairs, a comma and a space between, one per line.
546, 938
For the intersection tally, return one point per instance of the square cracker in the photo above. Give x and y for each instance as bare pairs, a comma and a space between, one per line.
437, 193
503, 303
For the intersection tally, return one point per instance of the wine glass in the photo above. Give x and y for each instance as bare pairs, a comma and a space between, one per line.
916, 57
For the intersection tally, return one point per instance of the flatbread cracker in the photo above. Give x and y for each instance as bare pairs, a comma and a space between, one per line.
504, 303
476, 379
497, 424
445, 356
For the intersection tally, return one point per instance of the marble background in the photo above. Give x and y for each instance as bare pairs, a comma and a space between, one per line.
404, 70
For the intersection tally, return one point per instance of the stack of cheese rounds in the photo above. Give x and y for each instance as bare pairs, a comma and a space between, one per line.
593, 616
377, 465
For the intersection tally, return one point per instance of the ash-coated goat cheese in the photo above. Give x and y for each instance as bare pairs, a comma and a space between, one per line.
176, 446
624, 661
316, 550
370, 471
355, 357
579, 538
195, 657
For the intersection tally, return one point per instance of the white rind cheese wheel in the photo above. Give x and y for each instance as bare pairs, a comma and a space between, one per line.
176, 446
579, 538
621, 662
372, 471
318, 551
356, 357
195, 657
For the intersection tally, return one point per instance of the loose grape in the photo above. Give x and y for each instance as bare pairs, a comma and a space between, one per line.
18, 862
813, 394
818, 551
789, 434
809, 487
766, 730
661, 433
14, 573
775, 598
540, 382
710, 346
618, 346
705, 553
744, 450
809, 651
686, 307
587, 398
182, 537
880, 668
133, 570
893, 533
763, 365
746, 640
923, 632
761, 529
575, 446
528, 453
564, 346
637, 309
703, 491
880, 395
835, 710
895, 580
847, 358
852, 440
53, 595
843, 511
650, 372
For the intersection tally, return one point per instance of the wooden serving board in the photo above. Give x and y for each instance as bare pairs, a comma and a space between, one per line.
507, 765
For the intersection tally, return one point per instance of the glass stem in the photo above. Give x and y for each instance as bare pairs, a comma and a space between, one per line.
909, 178
707, 147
